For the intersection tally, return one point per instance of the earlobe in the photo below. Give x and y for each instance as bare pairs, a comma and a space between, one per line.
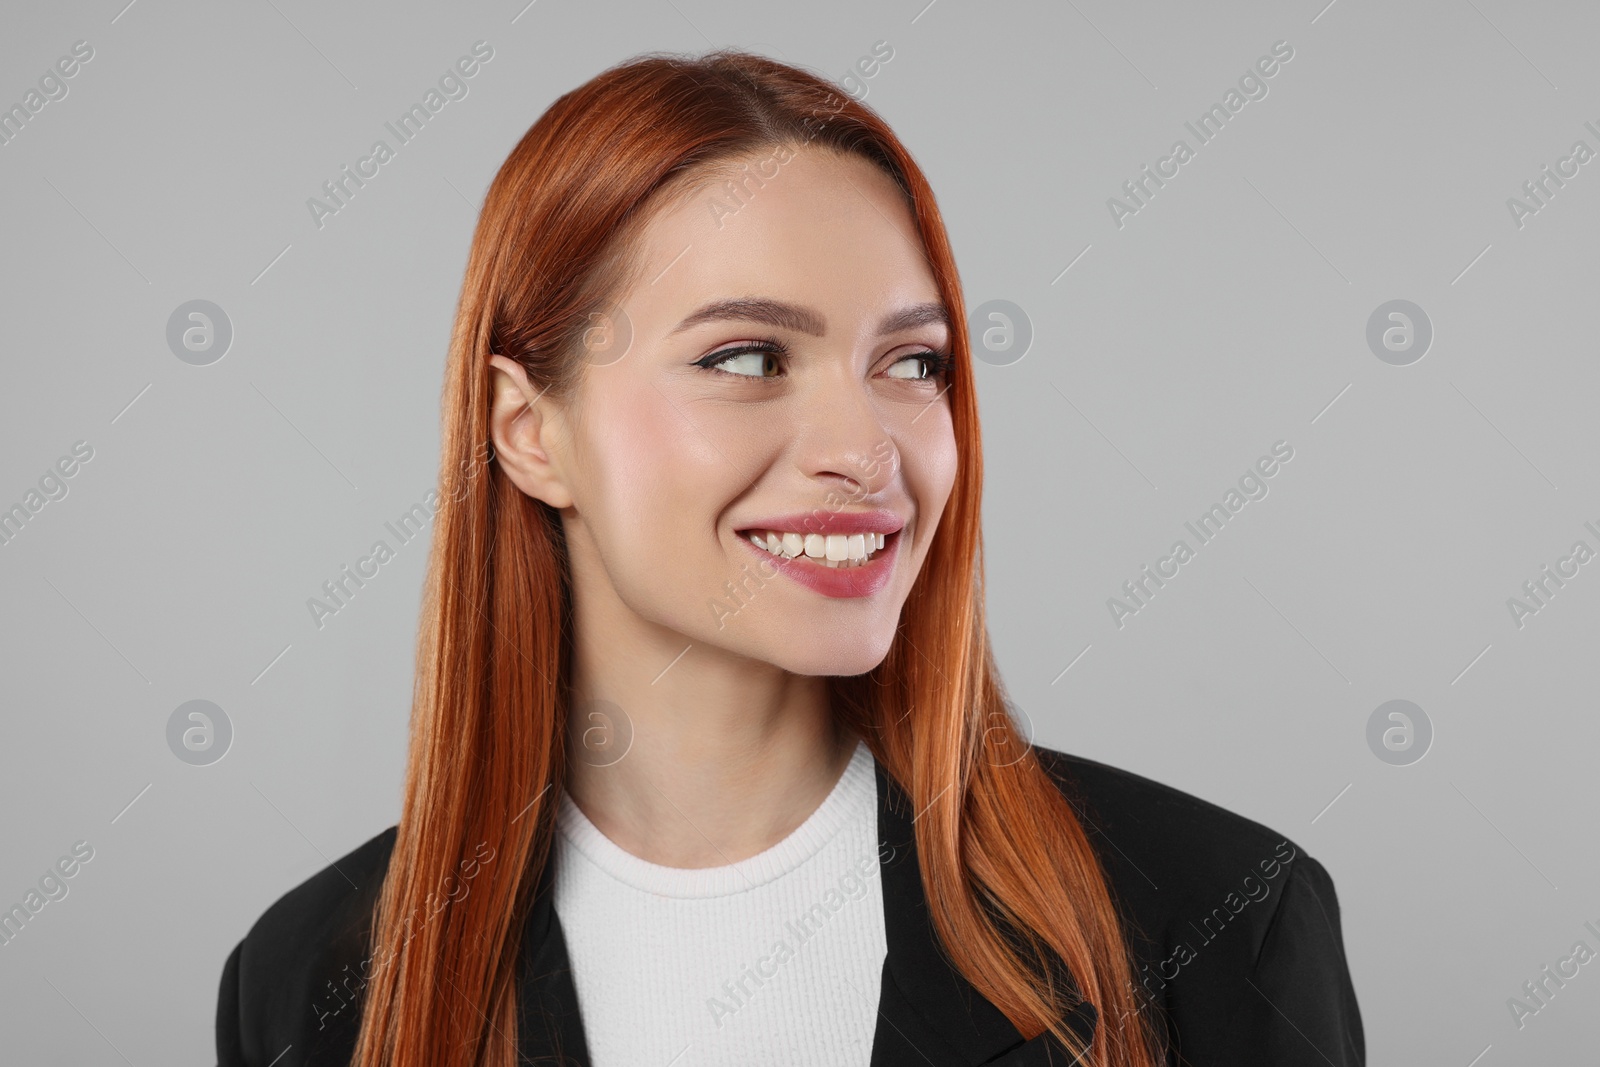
522, 426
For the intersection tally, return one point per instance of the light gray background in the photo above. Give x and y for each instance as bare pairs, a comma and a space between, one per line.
1228, 314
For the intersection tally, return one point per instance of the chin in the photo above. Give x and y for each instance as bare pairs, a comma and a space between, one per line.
843, 656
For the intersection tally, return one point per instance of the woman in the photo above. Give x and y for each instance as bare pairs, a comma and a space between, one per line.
710, 761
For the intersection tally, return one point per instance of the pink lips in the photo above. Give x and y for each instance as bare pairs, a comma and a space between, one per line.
826, 521
837, 582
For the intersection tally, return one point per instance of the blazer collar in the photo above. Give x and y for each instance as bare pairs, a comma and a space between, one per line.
928, 1013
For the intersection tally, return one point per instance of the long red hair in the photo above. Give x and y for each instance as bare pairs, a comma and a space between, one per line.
1010, 877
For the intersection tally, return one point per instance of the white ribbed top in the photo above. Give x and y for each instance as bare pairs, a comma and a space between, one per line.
775, 959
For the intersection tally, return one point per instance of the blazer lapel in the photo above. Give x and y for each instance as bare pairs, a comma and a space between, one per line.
928, 1013
549, 1027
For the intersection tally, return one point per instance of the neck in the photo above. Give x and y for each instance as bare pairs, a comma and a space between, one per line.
695, 760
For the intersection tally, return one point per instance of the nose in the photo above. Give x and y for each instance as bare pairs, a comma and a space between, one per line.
843, 440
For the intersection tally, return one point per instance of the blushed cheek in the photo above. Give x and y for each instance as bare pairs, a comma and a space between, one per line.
632, 469
657, 481
931, 461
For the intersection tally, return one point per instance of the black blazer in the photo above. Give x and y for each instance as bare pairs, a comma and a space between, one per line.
1235, 930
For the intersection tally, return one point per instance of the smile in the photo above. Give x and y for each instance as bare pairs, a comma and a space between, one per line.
838, 551
845, 554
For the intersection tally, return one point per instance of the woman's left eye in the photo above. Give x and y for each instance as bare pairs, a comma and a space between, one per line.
765, 359
751, 361
922, 366
749, 364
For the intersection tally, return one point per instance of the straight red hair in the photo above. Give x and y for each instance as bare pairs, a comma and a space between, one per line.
1009, 874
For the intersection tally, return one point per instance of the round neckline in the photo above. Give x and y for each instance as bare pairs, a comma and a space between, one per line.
855, 791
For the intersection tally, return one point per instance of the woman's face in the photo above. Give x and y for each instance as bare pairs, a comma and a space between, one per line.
776, 384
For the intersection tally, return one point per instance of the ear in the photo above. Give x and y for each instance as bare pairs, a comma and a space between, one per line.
527, 430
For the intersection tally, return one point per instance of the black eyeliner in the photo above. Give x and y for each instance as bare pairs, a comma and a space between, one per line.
939, 362
766, 346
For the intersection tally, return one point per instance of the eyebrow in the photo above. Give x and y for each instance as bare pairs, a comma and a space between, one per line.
803, 319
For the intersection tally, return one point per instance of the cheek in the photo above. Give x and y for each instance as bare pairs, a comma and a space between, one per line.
931, 460
633, 474
657, 480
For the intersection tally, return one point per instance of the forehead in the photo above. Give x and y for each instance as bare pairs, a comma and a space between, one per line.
813, 227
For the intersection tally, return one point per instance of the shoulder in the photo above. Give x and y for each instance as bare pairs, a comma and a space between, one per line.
1165, 831
1234, 927
293, 977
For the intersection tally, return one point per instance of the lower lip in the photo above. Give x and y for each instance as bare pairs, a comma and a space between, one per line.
837, 582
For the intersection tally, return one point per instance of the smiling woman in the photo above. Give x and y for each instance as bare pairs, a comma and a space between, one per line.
781, 418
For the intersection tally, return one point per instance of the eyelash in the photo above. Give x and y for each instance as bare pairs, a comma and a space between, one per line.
938, 362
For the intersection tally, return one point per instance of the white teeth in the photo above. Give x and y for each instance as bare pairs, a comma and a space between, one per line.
831, 550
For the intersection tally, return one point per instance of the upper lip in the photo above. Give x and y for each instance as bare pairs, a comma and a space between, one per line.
828, 521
